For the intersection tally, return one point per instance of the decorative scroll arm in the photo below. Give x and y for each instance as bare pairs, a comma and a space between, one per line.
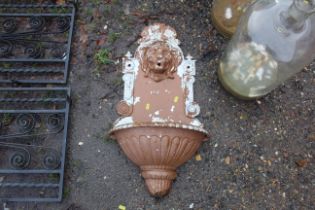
192, 108
130, 67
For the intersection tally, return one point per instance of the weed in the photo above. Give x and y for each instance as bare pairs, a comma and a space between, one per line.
89, 11
5, 119
102, 57
113, 36
97, 2
58, 10
54, 177
66, 192
6, 65
117, 82
97, 71
107, 9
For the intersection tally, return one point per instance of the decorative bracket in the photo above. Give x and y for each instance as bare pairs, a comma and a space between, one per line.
130, 68
188, 79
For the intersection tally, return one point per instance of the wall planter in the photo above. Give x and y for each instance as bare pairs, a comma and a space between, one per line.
157, 129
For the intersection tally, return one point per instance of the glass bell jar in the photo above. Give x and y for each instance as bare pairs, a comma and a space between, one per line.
226, 14
275, 39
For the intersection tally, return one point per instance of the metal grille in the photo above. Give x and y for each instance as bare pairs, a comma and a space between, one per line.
33, 136
35, 42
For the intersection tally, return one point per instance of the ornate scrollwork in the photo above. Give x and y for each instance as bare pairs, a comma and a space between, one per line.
35, 37
25, 122
63, 23
33, 51
54, 122
37, 23
9, 25
51, 160
20, 159
5, 48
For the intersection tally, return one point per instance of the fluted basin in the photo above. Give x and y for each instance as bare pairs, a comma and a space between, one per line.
158, 151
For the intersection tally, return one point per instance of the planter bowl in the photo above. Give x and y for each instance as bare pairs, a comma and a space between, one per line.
158, 151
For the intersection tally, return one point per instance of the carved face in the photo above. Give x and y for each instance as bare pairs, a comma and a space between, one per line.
159, 58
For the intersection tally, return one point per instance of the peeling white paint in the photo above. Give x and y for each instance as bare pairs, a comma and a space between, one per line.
158, 120
124, 121
228, 13
167, 91
137, 100
196, 123
154, 92
130, 71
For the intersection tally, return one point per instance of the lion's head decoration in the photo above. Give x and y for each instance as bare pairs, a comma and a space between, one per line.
159, 53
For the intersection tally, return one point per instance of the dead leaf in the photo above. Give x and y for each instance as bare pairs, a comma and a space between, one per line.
122, 207
198, 157
311, 137
101, 41
60, 2
96, 13
301, 163
83, 35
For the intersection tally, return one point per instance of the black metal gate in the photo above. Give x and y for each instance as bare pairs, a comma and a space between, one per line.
33, 133
35, 43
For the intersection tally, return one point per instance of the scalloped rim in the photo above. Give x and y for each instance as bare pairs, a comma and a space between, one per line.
162, 125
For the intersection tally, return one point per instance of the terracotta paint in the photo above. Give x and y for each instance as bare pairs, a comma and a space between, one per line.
158, 130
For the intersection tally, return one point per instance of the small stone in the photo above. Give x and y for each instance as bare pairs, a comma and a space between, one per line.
191, 206
80, 143
79, 179
227, 160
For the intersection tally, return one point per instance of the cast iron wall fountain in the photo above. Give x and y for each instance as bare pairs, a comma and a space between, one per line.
157, 129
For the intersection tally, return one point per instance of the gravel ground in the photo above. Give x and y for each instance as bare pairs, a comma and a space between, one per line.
260, 155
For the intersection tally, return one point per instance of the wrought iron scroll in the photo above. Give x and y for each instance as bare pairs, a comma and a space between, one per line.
33, 131
35, 42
